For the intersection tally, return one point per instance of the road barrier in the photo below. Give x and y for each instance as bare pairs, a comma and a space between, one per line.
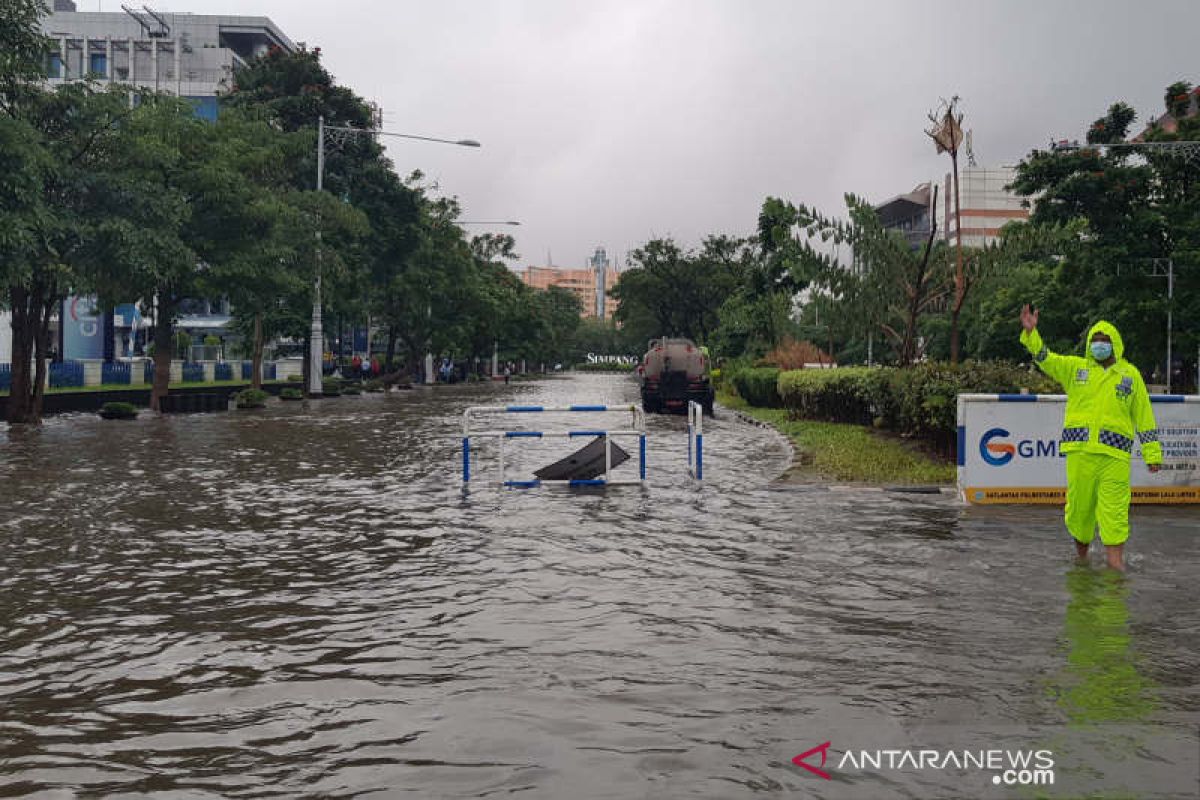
1008, 450
695, 430
636, 428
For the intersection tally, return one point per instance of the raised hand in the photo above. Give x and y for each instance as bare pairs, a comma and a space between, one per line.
1029, 319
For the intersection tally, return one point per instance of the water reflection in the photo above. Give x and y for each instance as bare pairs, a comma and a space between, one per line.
1101, 681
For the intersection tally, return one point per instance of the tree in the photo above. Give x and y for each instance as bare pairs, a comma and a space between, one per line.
947, 134
57, 216
673, 292
1136, 210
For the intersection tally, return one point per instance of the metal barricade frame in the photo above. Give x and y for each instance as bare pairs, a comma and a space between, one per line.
636, 428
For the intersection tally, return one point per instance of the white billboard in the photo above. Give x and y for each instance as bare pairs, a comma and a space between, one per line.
1008, 450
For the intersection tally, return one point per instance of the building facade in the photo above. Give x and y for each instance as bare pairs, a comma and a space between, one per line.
908, 213
590, 285
987, 205
189, 55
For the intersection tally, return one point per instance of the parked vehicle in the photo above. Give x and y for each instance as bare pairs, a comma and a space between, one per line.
673, 372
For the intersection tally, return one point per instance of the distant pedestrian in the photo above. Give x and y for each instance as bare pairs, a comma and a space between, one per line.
1107, 405
507, 374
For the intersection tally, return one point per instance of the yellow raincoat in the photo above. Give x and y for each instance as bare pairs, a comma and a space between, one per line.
1106, 409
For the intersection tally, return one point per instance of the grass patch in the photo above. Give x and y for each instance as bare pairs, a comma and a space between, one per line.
844, 452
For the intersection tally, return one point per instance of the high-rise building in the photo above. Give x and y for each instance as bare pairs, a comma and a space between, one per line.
189, 55
590, 285
987, 204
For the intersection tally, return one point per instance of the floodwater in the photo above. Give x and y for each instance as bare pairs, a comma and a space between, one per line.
304, 601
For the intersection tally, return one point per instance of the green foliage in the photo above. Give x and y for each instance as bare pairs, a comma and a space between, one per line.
675, 292
183, 345
605, 367
331, 387
290, 393
251, 398
757, 385
374, 386
352, 390
1132, 211
116, 410
919, 401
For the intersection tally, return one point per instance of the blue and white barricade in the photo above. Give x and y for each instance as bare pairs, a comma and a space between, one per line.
635, 428
695, 430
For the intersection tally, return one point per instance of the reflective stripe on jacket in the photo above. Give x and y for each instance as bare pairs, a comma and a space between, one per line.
1107, 409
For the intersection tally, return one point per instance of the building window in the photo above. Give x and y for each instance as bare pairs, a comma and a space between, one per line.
98, 64
55, 68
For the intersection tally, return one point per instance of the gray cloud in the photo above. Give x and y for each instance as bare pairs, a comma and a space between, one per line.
607, 123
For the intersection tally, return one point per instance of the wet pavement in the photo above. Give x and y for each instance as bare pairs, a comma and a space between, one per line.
304, 601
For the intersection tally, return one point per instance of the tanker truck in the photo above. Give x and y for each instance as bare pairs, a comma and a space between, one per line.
672, 372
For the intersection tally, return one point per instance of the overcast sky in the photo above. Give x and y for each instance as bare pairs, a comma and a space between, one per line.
613, 122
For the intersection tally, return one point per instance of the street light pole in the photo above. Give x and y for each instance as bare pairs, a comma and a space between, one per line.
316, 337
342, 132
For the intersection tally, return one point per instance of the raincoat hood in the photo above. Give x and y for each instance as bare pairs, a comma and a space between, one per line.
1111, 331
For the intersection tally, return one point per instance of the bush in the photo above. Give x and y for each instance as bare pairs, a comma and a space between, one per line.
352, 390
118, 411
757, 386
212, 340
251, 398
373, 386
290, 393
919, 401
183, 345
294, 378
606, 367
331, 388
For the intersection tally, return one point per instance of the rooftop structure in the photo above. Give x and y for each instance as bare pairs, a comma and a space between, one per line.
189, 55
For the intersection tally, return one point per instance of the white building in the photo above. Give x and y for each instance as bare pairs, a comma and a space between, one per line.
987, 205
189, 55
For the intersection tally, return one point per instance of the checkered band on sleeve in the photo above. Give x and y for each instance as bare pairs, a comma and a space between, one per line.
1148, 436
1041, 355
1074, 435
1116, 440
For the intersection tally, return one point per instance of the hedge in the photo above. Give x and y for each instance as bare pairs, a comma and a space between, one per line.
758, 386
919, 401
607, 366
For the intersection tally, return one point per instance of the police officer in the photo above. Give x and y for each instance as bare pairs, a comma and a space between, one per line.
1107, 405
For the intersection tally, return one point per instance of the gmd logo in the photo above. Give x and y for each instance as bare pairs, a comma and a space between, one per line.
1000, 453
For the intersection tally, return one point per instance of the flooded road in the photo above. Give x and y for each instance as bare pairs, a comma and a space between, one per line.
303, 601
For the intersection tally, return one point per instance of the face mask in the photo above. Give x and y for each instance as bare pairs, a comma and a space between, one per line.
1101, 350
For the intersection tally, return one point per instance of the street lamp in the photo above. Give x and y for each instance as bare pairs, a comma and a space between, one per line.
495, 344
341, 133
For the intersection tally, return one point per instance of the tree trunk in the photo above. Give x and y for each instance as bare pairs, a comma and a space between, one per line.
306, 365
42, 350
31, 311
20, 398
391, 347
164, 351
257, 354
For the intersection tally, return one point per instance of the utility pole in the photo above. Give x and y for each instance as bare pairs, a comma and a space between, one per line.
1165, 268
